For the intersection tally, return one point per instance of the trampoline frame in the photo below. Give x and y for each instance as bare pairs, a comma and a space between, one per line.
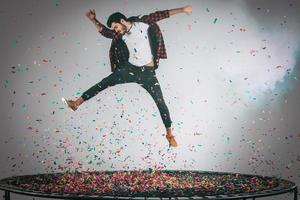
280, 189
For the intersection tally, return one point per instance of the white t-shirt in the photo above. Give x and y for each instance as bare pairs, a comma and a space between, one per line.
137, 42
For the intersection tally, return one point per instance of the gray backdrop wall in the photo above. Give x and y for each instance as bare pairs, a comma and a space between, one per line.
230, 82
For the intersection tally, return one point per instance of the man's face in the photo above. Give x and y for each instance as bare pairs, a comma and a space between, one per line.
119, 27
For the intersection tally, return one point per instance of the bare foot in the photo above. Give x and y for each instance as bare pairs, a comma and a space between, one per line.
74, 104
171, 138
71, 104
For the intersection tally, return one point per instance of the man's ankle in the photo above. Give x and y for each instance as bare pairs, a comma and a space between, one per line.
79, 101
169, 131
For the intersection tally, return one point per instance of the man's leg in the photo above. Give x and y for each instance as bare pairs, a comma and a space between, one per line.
117, 77
150, 83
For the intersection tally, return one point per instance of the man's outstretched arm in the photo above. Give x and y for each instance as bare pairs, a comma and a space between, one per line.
186, 9
159, 15
106, 32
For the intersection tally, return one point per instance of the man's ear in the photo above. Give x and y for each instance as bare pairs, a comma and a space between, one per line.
122, 21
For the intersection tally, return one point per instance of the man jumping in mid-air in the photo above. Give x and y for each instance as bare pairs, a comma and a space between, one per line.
137, 45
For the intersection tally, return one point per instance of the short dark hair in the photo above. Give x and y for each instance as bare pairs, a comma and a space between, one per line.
115, 17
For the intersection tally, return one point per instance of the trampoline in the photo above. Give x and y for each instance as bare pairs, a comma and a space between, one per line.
150, 184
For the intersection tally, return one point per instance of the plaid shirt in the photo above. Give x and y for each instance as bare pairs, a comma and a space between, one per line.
119, 53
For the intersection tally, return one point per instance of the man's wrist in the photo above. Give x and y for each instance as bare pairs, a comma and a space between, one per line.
182, 10
177, 10
95, 21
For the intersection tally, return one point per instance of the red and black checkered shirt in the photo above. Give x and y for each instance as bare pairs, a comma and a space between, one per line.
119, 53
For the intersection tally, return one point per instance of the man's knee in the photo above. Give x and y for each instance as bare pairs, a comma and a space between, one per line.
106, 82
161, 103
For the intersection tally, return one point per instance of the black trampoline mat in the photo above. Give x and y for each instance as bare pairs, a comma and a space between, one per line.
151, 184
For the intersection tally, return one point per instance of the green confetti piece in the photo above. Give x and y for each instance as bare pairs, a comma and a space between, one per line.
215, 21
119, 99
6, 83
13, 42
22, 69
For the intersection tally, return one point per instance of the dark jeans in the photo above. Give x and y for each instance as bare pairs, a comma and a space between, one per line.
144, 76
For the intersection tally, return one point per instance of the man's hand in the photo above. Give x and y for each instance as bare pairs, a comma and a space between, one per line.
91, 14
188, 9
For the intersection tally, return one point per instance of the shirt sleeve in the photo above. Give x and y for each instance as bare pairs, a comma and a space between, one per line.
106, 32
156, 16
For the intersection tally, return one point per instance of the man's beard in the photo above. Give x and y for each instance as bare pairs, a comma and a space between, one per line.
123, 29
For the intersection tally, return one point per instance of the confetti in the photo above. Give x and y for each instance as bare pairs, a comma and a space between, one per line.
148, 183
